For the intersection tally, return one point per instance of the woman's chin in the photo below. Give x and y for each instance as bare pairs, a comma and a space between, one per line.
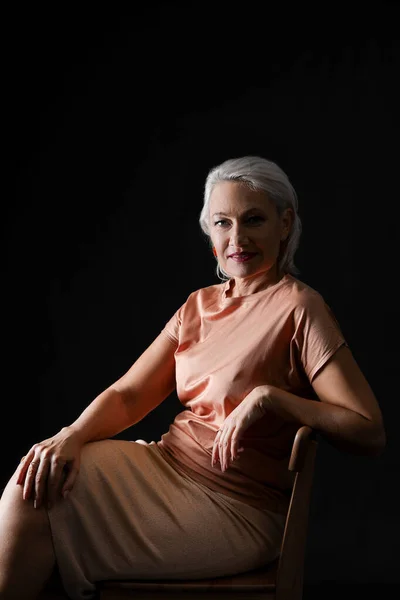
244, 270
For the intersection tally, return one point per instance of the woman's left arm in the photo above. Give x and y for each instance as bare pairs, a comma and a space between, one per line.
348, 415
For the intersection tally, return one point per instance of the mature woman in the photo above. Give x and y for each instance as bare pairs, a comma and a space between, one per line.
252, 359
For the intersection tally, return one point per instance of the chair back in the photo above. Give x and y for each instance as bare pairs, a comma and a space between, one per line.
290, 571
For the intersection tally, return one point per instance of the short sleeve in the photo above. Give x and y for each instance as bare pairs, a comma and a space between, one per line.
172, 327
317, 334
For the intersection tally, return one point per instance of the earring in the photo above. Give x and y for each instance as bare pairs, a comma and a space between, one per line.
214, 251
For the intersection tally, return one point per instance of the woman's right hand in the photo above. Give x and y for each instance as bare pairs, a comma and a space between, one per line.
50, 467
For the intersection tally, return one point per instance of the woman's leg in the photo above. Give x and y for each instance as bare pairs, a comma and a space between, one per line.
26, 549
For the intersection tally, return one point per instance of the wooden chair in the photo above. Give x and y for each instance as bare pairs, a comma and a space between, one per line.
279, 580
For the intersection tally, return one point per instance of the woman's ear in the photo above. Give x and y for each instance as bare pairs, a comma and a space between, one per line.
287, 218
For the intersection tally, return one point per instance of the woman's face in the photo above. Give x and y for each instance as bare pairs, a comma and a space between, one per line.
246, 230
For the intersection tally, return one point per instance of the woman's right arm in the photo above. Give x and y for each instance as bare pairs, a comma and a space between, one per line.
56, 460
149, 381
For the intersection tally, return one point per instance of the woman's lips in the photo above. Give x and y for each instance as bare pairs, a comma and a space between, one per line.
242, 257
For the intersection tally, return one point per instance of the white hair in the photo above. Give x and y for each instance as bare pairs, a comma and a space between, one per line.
263, 175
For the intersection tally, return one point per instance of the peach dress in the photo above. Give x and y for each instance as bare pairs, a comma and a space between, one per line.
159, 509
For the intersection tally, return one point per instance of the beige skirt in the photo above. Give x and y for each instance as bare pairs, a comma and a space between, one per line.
130, 515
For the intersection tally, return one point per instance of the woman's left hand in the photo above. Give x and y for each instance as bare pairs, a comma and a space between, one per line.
226, 444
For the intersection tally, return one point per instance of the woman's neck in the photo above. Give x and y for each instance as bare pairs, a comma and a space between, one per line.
244, 286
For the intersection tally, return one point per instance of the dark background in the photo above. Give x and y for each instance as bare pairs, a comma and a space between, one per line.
112, 119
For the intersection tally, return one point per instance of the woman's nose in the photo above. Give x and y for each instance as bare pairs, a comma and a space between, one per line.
238, 235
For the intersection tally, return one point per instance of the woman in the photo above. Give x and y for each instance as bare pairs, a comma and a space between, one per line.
252, 359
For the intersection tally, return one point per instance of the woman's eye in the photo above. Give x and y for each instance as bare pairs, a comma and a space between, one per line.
255, 219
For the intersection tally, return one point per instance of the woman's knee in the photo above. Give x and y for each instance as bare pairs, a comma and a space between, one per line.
18, 512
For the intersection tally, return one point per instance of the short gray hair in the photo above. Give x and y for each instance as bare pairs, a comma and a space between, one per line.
263, 175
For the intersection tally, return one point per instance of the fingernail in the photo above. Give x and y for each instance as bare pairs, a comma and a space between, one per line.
34, 504
65, 494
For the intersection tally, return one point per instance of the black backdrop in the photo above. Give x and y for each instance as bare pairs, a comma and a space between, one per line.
112, 119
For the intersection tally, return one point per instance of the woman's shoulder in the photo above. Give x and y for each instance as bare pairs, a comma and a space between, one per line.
209, 292
301, 293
